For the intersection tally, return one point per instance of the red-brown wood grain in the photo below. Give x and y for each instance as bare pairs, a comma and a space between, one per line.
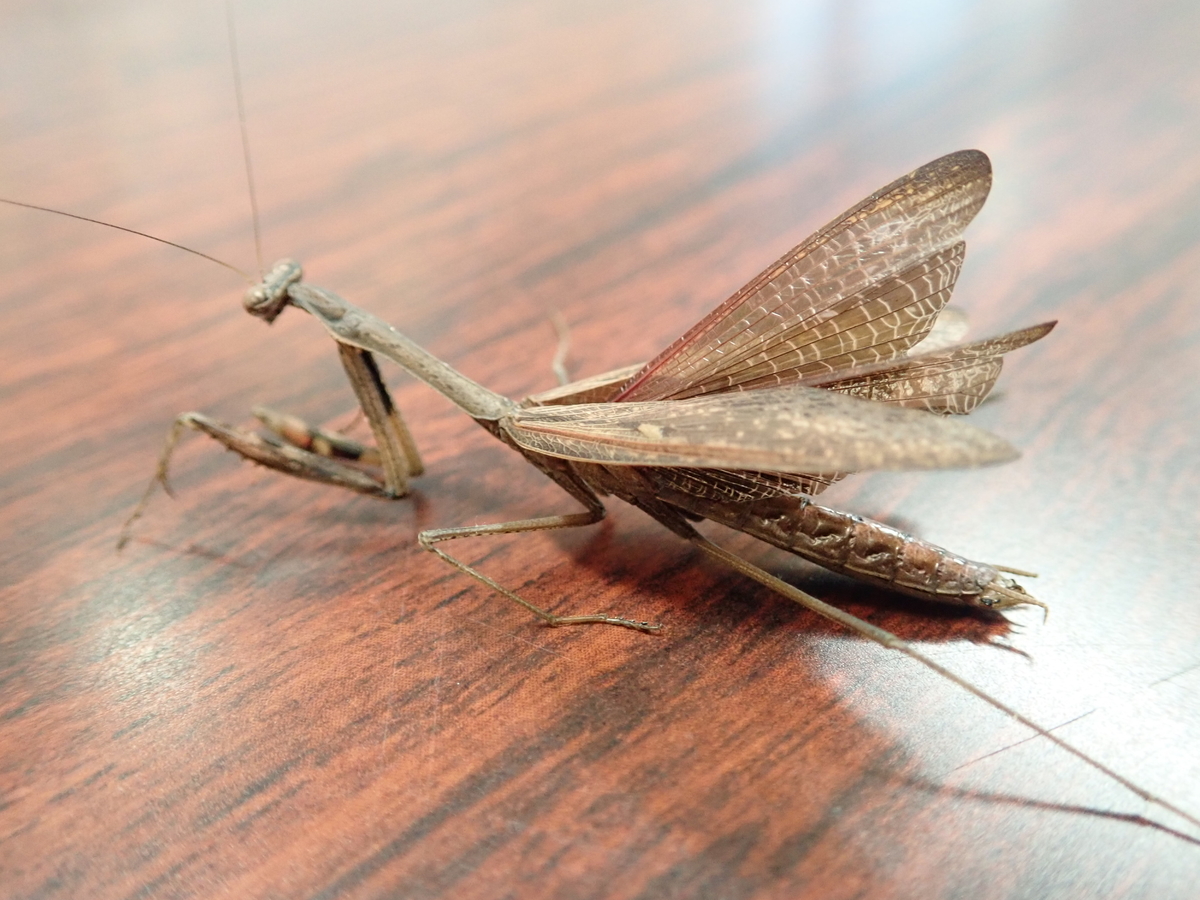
273, 692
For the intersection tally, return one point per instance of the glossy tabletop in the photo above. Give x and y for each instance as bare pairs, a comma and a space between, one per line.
273, 691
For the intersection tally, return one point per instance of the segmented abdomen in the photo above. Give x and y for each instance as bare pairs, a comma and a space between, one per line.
843, 542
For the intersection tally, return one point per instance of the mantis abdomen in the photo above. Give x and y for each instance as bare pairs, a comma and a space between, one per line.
865, 549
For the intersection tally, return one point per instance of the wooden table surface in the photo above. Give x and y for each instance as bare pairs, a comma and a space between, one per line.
274, 692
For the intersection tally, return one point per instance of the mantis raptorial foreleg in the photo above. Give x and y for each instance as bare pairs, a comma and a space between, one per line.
266, 451
398, 455
307, 452
322, 441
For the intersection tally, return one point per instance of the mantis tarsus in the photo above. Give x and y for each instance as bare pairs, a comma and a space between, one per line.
831, 361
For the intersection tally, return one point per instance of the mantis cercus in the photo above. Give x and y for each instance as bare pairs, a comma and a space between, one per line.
831, 361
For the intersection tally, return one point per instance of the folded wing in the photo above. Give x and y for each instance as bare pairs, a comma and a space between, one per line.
951, 380
782, 430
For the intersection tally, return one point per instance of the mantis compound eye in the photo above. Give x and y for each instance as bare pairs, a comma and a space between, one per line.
267, 299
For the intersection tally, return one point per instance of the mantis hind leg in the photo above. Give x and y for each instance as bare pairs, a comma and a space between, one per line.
563, 349
673, 520
595, 512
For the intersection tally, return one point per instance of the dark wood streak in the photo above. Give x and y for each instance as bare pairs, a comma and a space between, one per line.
274, 692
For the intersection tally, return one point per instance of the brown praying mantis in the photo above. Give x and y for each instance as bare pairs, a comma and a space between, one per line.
803, 374
836, 359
